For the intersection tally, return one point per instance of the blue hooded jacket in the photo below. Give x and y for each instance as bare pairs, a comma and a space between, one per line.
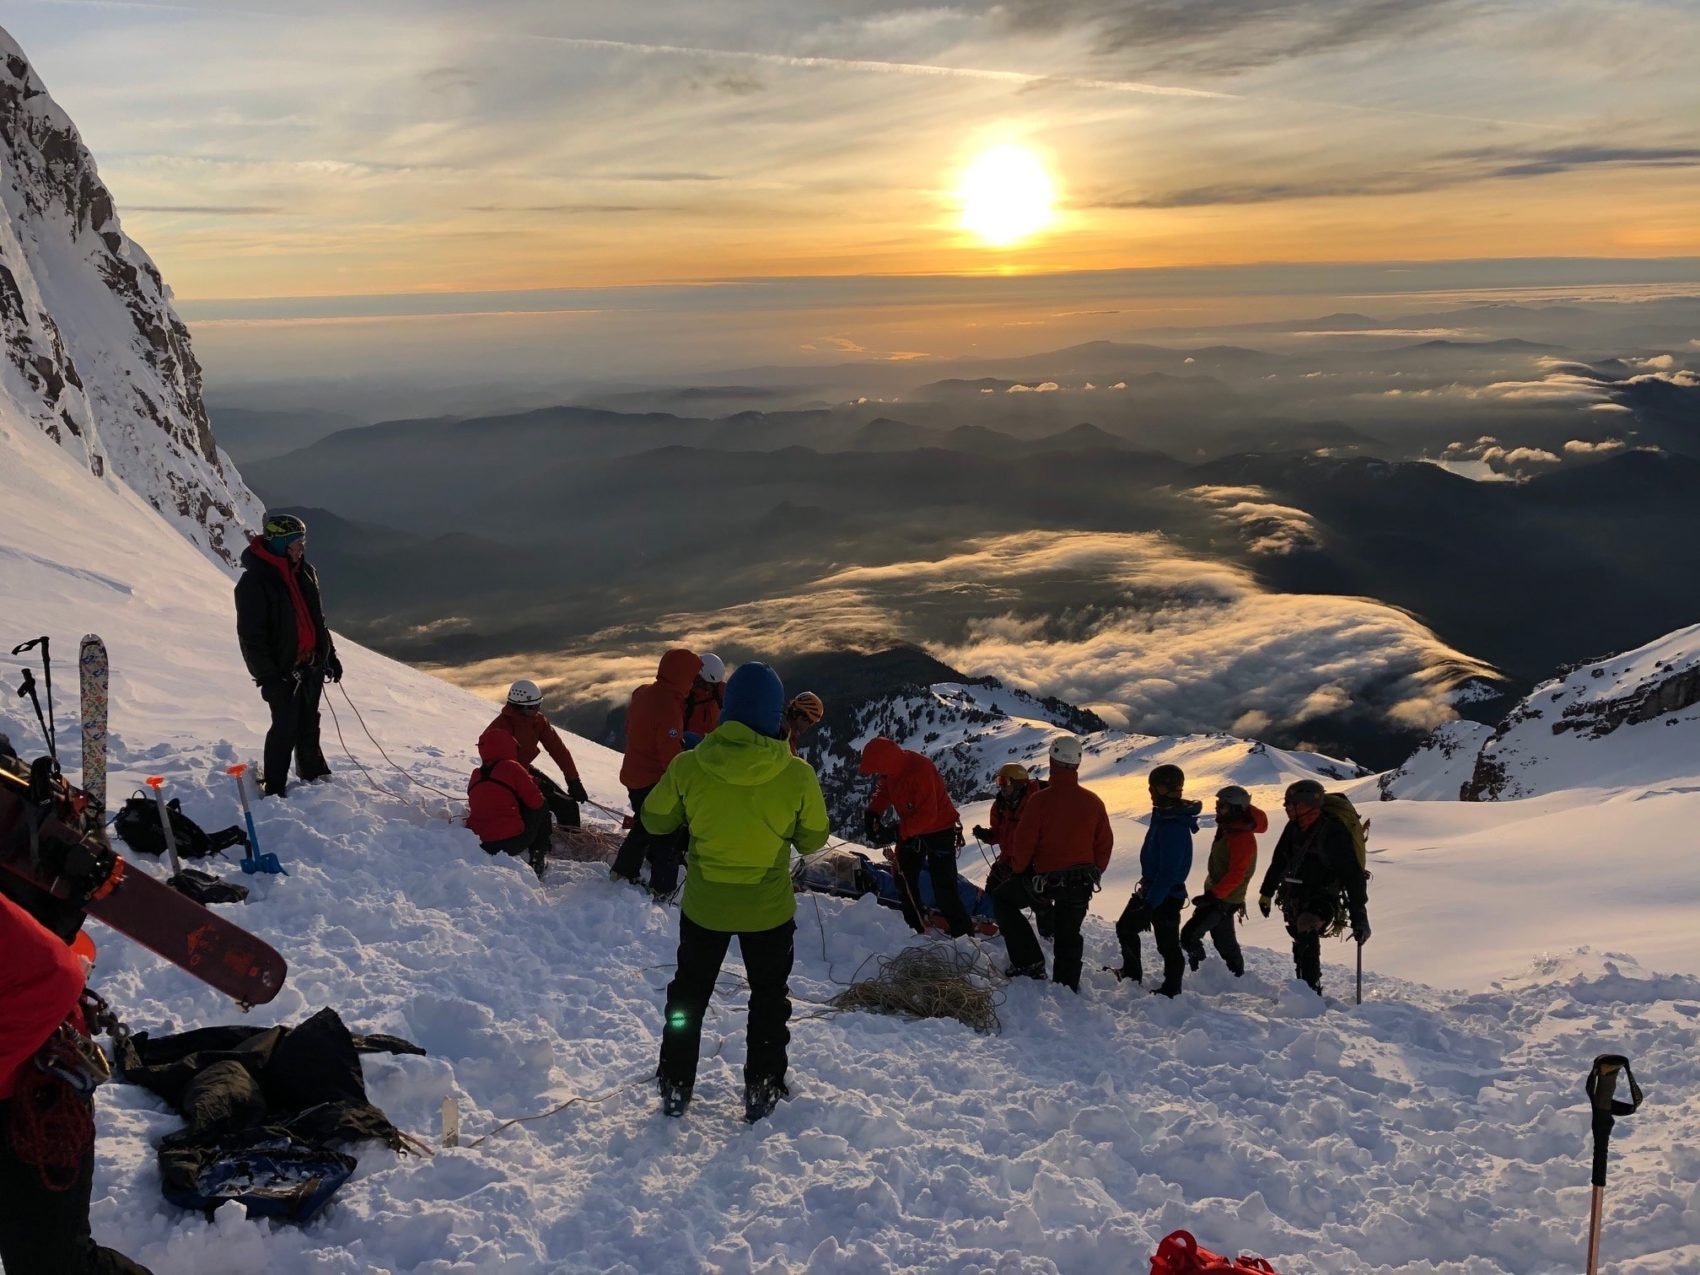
1165, 859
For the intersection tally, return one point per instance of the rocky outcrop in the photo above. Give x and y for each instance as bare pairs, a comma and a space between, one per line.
1630, 719
94, 354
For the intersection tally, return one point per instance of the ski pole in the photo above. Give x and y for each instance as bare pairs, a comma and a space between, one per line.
45, 643
1601, 1089
27, 689
157, 783
1360, 973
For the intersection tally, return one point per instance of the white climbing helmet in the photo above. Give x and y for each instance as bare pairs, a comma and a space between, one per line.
1065, 750
713, 669
524, 694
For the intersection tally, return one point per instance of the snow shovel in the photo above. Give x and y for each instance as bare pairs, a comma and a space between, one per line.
253, 861
1602, 1088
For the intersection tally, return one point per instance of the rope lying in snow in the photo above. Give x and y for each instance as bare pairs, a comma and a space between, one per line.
417, 783
932, 980
646, 1078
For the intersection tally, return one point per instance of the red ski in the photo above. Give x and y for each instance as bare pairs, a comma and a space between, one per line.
73, 869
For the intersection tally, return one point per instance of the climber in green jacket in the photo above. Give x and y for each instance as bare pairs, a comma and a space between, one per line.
747, 801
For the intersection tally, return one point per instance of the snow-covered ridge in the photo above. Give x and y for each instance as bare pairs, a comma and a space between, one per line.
95, 355
1630, 719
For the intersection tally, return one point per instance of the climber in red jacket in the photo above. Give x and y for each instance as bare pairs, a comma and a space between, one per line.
509, 812
929, 832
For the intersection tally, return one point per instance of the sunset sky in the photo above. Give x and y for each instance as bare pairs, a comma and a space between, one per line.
307, 149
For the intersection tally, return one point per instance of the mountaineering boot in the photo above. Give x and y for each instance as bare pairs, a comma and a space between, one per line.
614, 874
675, 1096
1122, 972
1195, 955
539, 857
1035, 970
761, 1096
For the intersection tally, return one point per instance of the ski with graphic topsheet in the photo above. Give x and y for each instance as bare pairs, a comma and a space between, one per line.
52, 845
91, 662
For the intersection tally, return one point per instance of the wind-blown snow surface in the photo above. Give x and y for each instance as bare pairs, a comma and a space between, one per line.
1427, 1131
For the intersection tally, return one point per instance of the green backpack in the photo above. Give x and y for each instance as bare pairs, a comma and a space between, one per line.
1339, 806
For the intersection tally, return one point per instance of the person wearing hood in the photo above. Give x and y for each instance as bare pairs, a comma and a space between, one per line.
1056, 854
746, 801
929, 832
280, 626
46, 1179
509, 812
1233, 857
523, 718
655, 735
1165, 859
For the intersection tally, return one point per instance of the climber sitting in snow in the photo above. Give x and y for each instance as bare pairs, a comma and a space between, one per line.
522, 717
509, 813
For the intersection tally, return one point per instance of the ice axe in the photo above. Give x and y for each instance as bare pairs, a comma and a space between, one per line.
253, 861
1602, 1093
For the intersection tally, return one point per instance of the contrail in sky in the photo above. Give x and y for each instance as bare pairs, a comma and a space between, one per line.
1024, 79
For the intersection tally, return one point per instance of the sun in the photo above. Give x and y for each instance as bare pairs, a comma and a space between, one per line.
1006, 195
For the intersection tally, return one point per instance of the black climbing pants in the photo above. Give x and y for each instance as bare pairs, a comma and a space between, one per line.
768, 956
1217, 919
294, 731
936, 852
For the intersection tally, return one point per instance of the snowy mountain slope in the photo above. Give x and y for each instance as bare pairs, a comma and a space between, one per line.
1440, 766
1632, 718
1426, 1132
94, 353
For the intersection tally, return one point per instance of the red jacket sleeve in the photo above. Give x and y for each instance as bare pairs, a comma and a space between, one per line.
556, 747
40, 980
880, 802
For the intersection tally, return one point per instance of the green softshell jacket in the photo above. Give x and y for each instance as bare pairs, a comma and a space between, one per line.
747, 801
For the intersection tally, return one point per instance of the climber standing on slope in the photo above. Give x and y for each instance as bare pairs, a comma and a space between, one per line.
655, 735
522, 717
280, 626
1057, 853
746, 801
1314, 868
1165, 859
1015, 786
1233, 858
929, 832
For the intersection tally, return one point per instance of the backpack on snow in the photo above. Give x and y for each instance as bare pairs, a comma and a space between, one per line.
137, 825
1181, 1254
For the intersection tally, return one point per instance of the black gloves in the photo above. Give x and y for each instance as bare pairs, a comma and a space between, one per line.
1360, 927
875, 826
1205, 900
333, 668
982, 833
575, 789
1263, 903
